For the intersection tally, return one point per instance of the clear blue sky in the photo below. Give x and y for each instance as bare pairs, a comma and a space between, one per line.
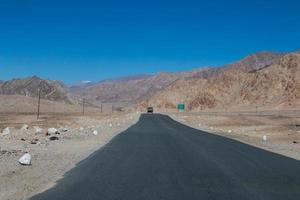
94, 40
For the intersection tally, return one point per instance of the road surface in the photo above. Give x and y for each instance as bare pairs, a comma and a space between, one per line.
161, 159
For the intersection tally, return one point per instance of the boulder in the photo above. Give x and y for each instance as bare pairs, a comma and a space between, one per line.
52, 131
6, 131
24, 127
95, 132
264, 138
229, 131
25, 159
38, 130
63, 129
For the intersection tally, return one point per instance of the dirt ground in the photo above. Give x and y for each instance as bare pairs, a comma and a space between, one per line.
281, 128
50, 159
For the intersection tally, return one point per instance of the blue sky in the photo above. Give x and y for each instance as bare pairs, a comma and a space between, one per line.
94, 40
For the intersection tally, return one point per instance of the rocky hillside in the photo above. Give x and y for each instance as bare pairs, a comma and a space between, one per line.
131, 89
137, 88
237, 85
255, 61
51, 90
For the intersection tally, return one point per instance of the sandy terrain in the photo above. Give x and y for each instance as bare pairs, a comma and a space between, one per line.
50, 159
282, 128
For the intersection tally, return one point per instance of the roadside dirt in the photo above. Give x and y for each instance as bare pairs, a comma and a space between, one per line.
50, 159
281, 128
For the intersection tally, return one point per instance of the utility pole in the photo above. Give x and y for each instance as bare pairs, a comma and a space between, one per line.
39, 102
83, 102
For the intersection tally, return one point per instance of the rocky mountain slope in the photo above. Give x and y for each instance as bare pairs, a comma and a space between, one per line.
237, 85
254, 61
137, 88
51, 90
131, 89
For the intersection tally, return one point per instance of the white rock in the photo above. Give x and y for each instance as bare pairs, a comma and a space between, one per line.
24, 127
118, 124
64, 129
6, 131
95, 132
110, 125
38, 129
264, 138
81, 128
199, 125
25, 159
229, 131
52, 131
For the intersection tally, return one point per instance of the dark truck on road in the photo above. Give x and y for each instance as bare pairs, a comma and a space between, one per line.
150, 110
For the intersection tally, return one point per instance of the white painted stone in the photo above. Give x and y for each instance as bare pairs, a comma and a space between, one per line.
52, 131
6, 131
38, 130
229, 131
264, 138
95, 132
25, 159
24, 127
63, 129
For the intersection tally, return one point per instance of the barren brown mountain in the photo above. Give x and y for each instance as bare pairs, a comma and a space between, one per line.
254, 61
276, 84
132, 89
50, 90
136, 88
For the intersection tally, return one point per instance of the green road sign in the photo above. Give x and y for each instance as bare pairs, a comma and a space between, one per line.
180, 106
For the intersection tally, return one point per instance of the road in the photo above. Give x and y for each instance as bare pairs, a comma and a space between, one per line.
161, 159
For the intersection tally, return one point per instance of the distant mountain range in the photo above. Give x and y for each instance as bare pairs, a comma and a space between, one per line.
136, 88
129, 89
258, 79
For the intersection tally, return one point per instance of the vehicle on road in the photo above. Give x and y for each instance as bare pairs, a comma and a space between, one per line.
150, 110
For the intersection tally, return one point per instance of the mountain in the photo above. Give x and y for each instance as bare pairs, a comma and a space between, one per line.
134, 89
129, 89
254, 61
275, 82
51, 90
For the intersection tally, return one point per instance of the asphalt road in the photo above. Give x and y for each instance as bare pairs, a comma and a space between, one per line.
161, 159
